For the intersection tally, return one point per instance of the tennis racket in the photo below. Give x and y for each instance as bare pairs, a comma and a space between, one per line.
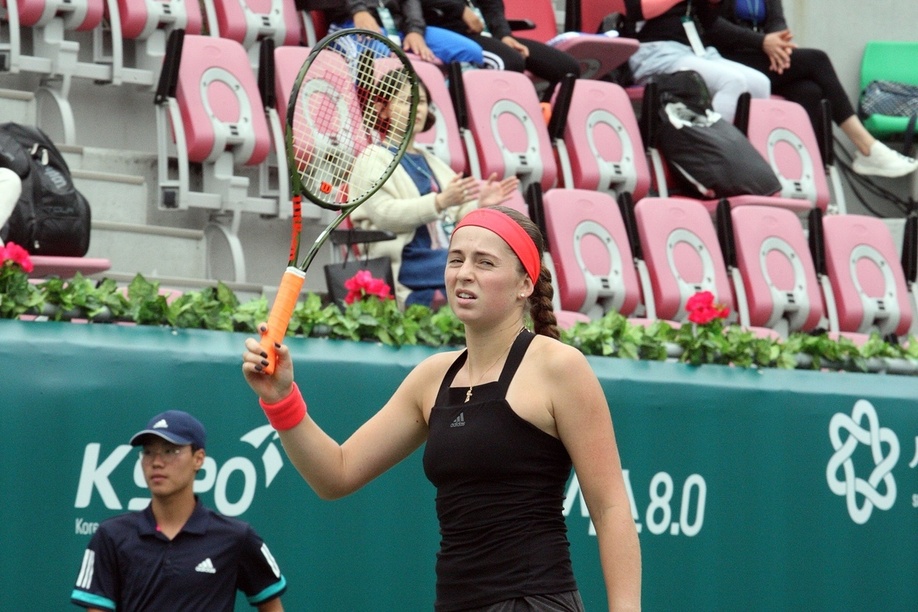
349, 120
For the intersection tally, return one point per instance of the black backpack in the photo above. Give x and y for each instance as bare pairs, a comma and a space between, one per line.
51, 216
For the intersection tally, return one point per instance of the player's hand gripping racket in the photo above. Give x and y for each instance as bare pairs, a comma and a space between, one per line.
349, 120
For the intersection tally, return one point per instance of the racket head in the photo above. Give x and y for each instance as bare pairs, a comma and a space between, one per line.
356, 94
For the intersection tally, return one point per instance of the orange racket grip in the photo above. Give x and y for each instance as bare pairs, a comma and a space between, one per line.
281, 311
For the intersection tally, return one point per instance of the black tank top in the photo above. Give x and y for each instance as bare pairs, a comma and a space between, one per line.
500, 489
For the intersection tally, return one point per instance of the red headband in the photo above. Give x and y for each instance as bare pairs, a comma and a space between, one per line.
512, 233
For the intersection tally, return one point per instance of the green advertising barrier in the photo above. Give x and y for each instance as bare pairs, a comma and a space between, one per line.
752, 490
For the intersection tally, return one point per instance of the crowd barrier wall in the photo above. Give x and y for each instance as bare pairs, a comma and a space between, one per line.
753, 490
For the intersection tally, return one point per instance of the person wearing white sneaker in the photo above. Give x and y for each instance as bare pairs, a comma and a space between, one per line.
755, 33
883, 161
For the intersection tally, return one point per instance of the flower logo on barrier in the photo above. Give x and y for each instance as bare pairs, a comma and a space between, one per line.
850, 486
364, 284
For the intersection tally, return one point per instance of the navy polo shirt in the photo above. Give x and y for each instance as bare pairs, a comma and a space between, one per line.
129, 565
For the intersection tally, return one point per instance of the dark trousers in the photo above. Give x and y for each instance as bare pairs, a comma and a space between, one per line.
810, 78
544, 61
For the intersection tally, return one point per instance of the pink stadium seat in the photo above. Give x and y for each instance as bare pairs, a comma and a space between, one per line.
212, 135
139, 30
79, 15
778, 279
602, 146
249, 21
868, 284
506, 133
591, 253
597, 54
287, 64
783, 133
219, 101
139, 19
566, 318
443, 139
38, 37
682, 255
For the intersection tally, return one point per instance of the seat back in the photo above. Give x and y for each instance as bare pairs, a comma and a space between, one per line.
508, 129
868, 283
888, 61
591, 253
140, 18
592, 12
442, 140
76, 15
782, 132
219, 101
680, 248
248, 21
287, 64
776, 267
603, 141
539, 12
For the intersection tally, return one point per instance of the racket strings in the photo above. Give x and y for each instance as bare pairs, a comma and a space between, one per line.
355, 98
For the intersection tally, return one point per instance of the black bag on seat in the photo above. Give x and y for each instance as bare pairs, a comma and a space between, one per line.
51, 216
712, 157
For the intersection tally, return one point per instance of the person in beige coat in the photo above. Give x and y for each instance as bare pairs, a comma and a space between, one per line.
421, 203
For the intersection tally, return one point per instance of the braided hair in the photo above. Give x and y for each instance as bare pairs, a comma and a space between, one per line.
541, 309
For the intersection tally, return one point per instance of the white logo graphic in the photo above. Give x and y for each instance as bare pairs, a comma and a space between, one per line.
96, 473
851, 486
161, 424
206, 566
459, 422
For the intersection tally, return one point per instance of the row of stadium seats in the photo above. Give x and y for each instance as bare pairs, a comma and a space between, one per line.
499, 129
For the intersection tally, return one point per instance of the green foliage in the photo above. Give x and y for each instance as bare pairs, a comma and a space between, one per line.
17, 295
377, 320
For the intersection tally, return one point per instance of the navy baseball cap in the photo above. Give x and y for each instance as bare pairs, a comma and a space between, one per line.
174, 426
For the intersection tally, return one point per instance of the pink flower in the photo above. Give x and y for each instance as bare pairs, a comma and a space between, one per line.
18, 255
363, 284
702, 309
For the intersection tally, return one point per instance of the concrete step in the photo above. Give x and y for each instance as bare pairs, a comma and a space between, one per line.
149, 250
17, 105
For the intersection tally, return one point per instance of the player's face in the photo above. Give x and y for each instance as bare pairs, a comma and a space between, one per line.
483, 277
169, 468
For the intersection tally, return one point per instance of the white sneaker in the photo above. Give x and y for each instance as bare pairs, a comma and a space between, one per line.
883, 161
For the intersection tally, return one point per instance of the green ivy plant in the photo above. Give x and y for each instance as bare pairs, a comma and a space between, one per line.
705, 339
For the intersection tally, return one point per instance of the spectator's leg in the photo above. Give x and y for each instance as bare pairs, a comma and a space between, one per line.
548, 63
726, 80
10, 189
499, 56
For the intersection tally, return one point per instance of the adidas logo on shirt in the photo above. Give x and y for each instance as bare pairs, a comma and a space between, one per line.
459, 421
206, 566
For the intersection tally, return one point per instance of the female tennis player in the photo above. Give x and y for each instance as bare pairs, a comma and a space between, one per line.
503, 421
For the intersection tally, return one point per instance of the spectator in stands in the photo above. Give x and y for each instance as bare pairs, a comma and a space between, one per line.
671, 34
501, 423
420, 203
754, 33
175, 554
10, 189
403, 21
484, 22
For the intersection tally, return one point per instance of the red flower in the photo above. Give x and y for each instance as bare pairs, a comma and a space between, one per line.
363, 284
16, 254
702, 309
